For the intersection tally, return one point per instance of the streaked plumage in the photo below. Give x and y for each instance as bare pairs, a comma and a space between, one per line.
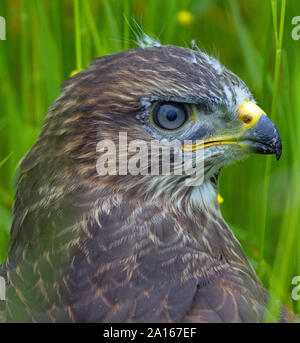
130, 248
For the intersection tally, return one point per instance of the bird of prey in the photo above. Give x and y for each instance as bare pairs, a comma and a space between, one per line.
86, 247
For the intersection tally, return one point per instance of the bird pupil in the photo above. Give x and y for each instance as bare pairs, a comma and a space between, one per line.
172, 115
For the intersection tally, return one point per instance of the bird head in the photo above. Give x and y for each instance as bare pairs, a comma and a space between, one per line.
159, 93
190, 96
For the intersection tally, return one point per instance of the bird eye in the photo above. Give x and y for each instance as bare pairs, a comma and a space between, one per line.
169, 115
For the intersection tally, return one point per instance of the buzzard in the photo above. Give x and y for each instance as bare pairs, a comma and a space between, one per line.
86, 247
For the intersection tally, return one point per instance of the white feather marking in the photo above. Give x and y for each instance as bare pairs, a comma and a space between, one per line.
142, 39
242, 94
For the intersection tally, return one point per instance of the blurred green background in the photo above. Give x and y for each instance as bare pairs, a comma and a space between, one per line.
47, 40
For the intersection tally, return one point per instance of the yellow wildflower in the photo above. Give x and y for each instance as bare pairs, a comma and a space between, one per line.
74, 72
185, 18
220, 199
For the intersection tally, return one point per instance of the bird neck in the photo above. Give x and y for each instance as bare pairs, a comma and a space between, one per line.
202, 222
192, 212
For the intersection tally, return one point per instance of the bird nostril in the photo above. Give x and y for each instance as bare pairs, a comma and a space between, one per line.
247, 119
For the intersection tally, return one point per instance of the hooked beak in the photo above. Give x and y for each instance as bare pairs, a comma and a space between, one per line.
263, 138
258, 134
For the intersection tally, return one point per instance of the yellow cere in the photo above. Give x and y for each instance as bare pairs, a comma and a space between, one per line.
249, 114
185, 18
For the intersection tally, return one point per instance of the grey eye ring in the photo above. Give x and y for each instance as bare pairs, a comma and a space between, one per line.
169, 115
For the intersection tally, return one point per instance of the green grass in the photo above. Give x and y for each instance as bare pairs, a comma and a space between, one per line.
47, 40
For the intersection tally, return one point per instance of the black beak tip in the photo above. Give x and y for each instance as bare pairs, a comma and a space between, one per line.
264, 138
278, 155
276, 144
278, 151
